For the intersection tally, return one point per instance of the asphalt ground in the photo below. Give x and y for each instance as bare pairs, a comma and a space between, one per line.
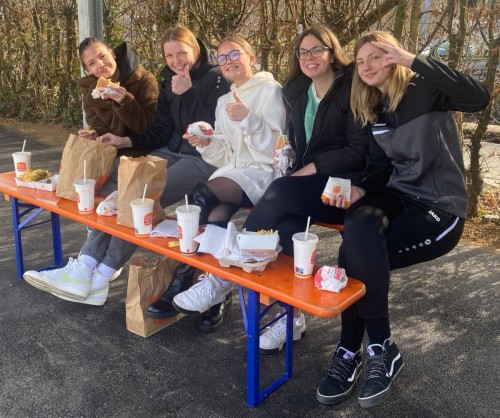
62, 359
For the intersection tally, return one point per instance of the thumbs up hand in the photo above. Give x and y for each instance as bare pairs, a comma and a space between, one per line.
181, 82
237, 111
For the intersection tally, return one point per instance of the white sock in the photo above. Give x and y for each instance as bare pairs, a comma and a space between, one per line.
90, 262
105, 270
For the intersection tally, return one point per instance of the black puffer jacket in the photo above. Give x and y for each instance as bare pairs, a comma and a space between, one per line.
337, 145
174, 113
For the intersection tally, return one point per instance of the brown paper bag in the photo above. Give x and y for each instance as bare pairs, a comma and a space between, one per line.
147, 281
133, 174
99, 159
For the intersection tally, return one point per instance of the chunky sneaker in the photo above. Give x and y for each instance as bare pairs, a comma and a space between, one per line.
274, 338
383, 363
341, 377
116, 275
203, 295
72, 280
98, 291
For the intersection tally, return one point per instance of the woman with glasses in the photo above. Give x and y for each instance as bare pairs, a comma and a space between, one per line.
327, 142
192, 84
410, 204
248, 121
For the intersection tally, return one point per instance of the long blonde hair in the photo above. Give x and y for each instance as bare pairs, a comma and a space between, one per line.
365, 99
184, 35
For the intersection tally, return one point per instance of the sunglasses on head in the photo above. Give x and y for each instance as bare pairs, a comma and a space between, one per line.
231, 56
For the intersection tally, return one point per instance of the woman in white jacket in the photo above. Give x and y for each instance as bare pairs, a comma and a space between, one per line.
248, 121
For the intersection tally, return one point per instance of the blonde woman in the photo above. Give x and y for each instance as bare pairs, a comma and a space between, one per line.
410, 206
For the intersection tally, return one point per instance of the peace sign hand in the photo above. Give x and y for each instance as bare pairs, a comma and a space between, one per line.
181, 82
394, 54
237, 111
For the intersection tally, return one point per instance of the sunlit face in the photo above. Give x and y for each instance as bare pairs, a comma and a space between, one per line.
315, 67
99, 60
370, 66
239, 70
178, 55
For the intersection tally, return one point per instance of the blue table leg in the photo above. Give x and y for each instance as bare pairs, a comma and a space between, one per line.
22, 216
254, 315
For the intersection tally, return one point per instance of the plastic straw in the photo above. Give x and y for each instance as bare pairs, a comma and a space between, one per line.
187, 204
24, 144
307, 226
84, 170
144, 193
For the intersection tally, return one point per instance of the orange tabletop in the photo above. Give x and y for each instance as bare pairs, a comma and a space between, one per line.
276, 281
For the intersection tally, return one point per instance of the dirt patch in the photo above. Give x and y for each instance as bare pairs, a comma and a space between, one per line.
484, 230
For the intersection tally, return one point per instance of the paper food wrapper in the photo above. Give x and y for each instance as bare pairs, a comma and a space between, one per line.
330, 278
201, 129
109, 206
336, 186
283, 154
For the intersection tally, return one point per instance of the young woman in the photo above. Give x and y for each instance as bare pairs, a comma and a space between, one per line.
248, 121
409, 207
327, 142
192, 84
125, 109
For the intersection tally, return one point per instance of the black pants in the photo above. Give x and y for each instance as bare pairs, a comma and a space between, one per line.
287, 203
384, 232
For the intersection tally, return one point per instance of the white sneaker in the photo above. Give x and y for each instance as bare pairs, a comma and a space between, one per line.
72, 280
272, 340
116, 275
98, 291
203, 295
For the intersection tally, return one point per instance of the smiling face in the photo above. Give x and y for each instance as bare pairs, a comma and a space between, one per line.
178, 55
315, 67
240, 70
370, 66
99, 60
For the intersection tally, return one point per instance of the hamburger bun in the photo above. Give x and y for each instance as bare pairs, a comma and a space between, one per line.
105, 82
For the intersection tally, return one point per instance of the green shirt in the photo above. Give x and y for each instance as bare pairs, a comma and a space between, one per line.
311, 110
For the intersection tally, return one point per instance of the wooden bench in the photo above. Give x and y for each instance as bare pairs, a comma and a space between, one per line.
277, 281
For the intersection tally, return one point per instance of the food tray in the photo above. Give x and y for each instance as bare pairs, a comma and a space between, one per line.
45, 184
251, 266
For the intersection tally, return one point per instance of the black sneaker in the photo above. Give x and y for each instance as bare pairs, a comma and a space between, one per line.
383, 363
340, 378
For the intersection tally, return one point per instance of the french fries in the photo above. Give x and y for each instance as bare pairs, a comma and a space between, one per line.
267, 232
36, 175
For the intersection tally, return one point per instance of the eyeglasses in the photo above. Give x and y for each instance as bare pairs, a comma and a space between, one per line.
232, 56
316, 52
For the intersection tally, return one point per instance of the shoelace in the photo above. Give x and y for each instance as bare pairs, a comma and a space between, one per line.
204, 286
375, 367
279, 328
340, 369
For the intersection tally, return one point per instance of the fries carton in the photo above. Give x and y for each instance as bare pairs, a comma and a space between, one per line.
253, 243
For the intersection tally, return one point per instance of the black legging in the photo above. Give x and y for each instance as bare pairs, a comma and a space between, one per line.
385, 232
287, 203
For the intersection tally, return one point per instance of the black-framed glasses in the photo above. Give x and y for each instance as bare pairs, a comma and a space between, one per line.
315, 51
231, 56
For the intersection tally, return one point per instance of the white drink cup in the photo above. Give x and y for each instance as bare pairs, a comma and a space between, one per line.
22, 162
304, 254
188, 227
85, 191
142, 213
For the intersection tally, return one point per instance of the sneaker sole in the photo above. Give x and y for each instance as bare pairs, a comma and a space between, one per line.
96, 298
379, 397
190, 312
271, 351
42, 285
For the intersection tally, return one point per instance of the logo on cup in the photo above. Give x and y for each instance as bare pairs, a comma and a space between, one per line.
21, 166
148, 219
299, 270
313, 257
179, 231
77, 198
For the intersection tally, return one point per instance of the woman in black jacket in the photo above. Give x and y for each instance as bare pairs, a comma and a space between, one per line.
409, 206
327, 142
